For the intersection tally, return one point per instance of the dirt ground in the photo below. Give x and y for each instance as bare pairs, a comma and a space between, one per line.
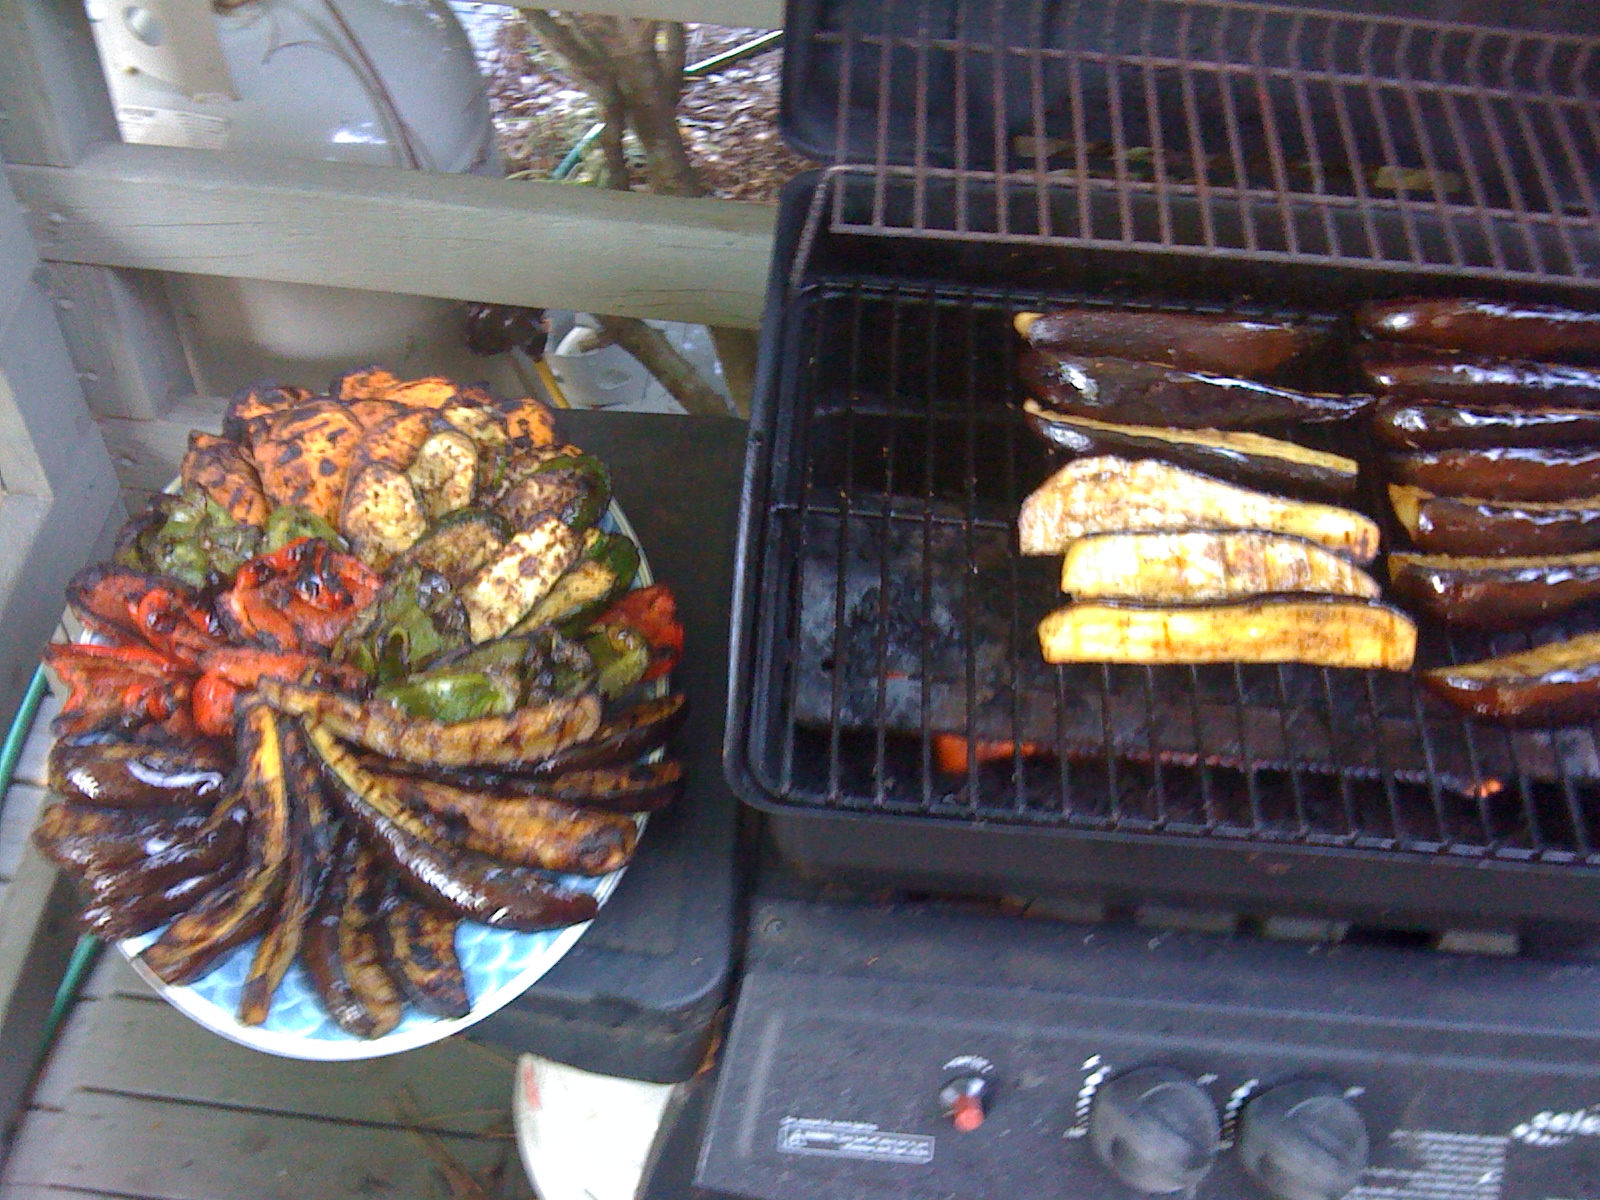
729, 118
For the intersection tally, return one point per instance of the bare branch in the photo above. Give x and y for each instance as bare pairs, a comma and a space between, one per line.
658, 356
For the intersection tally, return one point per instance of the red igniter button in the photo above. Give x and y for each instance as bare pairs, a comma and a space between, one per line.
965, 1102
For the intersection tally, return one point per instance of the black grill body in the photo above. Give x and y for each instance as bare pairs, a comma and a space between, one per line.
882, 603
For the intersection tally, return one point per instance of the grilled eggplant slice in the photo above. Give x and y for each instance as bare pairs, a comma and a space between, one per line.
527, 831
219, 468
1421, 425
1140, 393
1116, 495
461, 544
529, 735
131, 775
1468, 525
1494, 593
517, 578
1189, 341
381, 515
1551, 685
1326, 631
420, 945
1248, 459
1404, 373
635, 788
85, 840
467, 884
112, 918
240, 909
643, 728
1205, 567
212, 847
445, 472
1503, 473
310, 852
1484, 326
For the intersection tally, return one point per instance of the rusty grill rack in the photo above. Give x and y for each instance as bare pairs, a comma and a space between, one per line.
1197, 127
895, 608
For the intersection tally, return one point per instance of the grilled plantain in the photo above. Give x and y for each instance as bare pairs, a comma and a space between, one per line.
1495, 593
381, 515
1326, 631
419, 944
527, 830
468, 884
1117, 495
341, 951
1205, 567
309, 854
530, 734
1247, 459
241, 908
219, 468
304, 456
1550, 685
1473, 525
1190, 341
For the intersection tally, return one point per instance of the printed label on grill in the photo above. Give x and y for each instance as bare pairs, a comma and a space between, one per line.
1450, 1166
853, 1139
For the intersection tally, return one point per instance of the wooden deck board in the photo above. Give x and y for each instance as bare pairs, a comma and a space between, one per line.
17, 815
161, 1054
170, 1150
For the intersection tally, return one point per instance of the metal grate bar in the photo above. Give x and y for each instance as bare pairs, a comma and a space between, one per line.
1265, 131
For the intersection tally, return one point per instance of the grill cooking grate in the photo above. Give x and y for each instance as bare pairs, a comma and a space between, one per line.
1269, 132
899, 610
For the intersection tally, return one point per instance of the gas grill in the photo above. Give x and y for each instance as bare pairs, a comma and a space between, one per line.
1180, 929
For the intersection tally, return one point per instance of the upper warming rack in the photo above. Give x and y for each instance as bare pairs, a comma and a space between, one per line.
1265, 132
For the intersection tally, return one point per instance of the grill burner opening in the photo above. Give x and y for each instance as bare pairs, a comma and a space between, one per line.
907, 613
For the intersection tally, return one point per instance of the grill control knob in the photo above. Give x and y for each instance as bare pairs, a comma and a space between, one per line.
965, 1100
1303, 1141
1155, 1129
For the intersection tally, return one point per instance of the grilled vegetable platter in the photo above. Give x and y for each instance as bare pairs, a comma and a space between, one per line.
368, 716
1198, 525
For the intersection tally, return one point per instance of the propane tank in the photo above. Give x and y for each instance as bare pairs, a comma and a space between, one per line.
379, 82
